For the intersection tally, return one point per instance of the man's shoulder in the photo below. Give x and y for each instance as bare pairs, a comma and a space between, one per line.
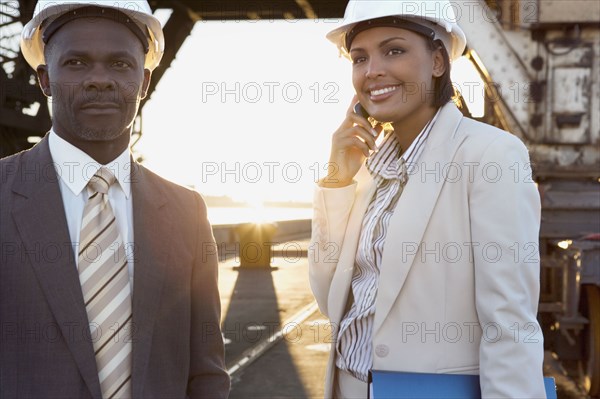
10, 166
165, 183
14, 158
32, 165
39, 153
171, 189
185, 203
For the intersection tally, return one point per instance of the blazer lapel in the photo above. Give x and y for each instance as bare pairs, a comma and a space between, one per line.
340, 285
41, 222
413, 211
151, 226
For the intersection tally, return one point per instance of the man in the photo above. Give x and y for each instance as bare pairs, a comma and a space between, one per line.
108, 273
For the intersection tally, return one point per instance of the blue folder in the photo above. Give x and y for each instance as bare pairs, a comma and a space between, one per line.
403, 385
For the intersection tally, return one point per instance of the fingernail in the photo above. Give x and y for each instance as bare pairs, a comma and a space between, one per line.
374, 132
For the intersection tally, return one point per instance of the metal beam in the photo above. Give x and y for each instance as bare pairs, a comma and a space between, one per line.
177, 29
502, 62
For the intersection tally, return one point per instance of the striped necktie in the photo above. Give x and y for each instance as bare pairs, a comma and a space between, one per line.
106, 291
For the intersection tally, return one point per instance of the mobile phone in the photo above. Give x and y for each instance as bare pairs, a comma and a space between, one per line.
360, 110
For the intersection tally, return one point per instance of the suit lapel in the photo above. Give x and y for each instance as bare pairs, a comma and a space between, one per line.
151, 226
414, 209
340, 285
41, 222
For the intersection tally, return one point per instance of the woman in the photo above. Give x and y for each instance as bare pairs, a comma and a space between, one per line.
424, 252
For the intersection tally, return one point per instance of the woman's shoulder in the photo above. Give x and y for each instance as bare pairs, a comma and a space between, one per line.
481, 135
486, 141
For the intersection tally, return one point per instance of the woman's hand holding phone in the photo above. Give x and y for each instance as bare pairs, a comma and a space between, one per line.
351, 144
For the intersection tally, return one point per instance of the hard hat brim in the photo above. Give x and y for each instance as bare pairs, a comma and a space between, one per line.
456, 43
32, 45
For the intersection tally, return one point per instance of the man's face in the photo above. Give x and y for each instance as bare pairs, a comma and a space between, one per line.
95, 75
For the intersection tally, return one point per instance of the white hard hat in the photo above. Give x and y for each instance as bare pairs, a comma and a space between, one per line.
32, 43
437, 15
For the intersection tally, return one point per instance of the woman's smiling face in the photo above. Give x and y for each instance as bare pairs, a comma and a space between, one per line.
392, 73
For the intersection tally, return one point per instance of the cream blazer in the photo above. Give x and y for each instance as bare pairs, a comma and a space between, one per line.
459, 279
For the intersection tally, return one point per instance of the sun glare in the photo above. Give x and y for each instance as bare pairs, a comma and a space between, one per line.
247, 109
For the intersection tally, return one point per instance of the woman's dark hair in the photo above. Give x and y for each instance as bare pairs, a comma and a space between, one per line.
443, 88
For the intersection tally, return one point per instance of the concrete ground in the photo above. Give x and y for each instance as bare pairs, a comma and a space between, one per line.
256, 304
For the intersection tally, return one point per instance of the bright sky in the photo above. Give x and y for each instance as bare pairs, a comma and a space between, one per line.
248, 109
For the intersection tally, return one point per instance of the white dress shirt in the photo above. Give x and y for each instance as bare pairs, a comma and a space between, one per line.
75, 168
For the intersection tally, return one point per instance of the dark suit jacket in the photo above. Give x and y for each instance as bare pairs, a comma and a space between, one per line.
45, 346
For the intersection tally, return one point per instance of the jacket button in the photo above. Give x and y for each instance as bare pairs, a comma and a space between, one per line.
382, 350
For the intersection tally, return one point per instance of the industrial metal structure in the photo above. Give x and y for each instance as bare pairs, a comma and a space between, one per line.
540, 60
541, 64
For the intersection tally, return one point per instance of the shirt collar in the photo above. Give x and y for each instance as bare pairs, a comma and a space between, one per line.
386, 161
414, 151
75, 168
